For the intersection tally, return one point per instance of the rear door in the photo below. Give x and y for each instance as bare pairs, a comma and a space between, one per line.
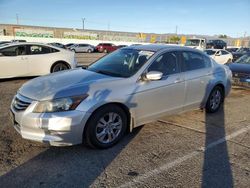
197, 73
13, 61
39, 59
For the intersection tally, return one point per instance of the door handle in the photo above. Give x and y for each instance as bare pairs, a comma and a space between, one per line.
178, 80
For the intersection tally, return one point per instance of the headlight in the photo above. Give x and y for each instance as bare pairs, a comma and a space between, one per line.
59, 105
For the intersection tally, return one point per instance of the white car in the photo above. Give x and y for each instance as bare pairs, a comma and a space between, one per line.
33, 59
219, 55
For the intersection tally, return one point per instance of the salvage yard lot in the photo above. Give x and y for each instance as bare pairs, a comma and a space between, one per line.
192, 149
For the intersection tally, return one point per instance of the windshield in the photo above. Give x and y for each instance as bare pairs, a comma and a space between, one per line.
210, 52
192, 42
245, 59
243, 50
121, 63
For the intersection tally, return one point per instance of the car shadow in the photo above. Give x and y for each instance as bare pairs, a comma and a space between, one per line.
217, 170
75, 166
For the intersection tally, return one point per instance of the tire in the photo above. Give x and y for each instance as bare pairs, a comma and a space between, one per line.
89, 50
215, 100
105, 51
60, 66
99, 124
228, 61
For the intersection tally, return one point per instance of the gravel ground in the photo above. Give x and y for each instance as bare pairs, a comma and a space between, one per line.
192, 149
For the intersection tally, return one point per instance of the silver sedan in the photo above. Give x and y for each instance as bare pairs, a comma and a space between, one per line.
123, 90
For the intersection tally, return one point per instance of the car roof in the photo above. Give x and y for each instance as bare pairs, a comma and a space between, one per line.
157, 47
30, 43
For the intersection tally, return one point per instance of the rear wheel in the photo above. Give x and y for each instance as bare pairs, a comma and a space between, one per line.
229, 61
215, 100
105, 51
105, 127
89, 50
59, 67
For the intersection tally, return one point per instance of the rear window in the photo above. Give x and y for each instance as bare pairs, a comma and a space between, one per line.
194, 61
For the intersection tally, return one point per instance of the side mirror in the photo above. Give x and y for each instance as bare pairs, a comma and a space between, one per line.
154, 75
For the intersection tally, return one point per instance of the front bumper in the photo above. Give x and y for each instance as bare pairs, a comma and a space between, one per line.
56, 129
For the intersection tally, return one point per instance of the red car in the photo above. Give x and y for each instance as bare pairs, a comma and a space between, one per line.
106, 47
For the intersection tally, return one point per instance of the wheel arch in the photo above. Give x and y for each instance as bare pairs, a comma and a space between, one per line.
119, 104
209, 89
59, 61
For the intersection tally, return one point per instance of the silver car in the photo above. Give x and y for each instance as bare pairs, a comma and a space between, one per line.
82, 48
123, 90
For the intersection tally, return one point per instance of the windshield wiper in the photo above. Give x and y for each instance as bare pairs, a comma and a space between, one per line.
109, 73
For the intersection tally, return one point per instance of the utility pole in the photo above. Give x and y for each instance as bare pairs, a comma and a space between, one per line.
17, 19
176, 29
83, 22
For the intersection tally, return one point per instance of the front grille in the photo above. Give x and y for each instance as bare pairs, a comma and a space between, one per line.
241, 75
20, 102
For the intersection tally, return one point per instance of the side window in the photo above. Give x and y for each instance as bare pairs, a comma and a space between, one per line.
36, 49
223, 52
207, 61
13, 51
194, 61
166, 63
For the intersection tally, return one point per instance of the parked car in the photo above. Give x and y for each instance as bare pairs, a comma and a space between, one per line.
232, 49
197, 43
123, 90
59, 45
17, 40
240, 52
82, 48
216, 44
122, 46
106, 47
4, 43
241, 68
33, 59
220, 56
69, 45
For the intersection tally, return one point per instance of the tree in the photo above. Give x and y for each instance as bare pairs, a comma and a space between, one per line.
174, 39
223, 36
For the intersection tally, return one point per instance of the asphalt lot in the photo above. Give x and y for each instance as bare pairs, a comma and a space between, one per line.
193, 149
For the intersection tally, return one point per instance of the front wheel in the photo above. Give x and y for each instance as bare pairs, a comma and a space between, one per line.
215, 100
105, 127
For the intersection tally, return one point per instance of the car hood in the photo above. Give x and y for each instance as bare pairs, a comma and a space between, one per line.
62, 84
241, 68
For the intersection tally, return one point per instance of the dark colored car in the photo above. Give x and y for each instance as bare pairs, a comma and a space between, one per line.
106, 47
57, 44
217, 44
69, 45
240, 52
232, 50
241, 68
122, 46
18, 41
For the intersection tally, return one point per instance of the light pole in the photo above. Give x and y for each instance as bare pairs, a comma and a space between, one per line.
83, 22
17, 19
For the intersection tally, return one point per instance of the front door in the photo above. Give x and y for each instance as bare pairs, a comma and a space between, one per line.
161, 97
13, 62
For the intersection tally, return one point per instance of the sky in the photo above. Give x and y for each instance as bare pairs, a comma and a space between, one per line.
206, 17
